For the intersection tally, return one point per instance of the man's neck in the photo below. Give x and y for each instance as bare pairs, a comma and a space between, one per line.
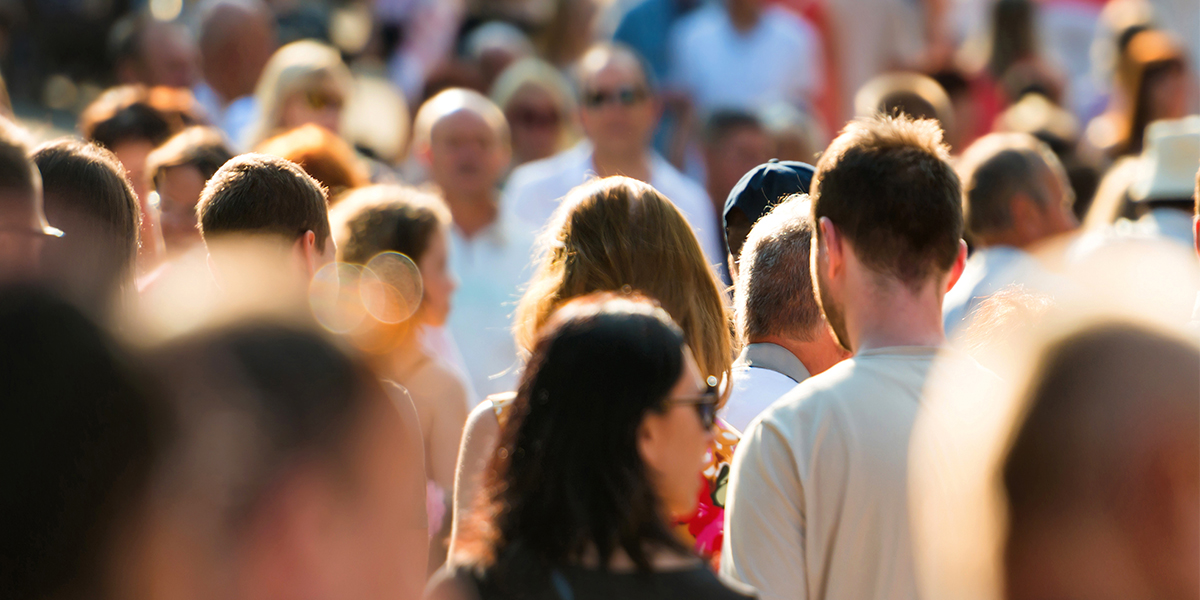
816, 355
891, 314
635, 165
472, 213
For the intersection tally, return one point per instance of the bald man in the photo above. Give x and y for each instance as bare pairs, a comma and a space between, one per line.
619, 111
236, 39
462, 139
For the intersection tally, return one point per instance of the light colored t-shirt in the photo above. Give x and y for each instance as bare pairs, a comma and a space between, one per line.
818, 496
762, 374
778, 60
492, 269
990, 270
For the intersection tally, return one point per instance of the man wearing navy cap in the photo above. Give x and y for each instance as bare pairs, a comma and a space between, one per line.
754, 195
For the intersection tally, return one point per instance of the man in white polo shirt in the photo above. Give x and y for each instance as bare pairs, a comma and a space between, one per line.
619, 111
818, 494
785, 335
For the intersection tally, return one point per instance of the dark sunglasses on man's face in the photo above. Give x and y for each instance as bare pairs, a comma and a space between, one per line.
321, 100
705, 403
625, 96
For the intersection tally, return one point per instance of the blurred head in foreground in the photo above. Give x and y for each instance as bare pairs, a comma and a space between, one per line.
617, 233
273, 205
1084, 482
87, 194
80, 433
295, 474
606, 441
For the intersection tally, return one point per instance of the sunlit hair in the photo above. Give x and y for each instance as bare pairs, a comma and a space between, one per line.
449, 102
568, 478
386, 218
535, 72
774, 293
621, 234
323, 155
998, 167
203, 148
300, 66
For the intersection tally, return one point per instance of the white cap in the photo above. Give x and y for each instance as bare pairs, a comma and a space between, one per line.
1170, 161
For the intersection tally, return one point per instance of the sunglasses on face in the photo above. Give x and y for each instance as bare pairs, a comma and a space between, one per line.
318, 100
529, 117
705, 403
625, 96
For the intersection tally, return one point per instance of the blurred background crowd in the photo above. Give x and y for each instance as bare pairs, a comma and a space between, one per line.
495, 202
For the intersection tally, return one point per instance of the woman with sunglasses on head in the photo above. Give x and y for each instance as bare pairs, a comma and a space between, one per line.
606, 436
619, 234
304, 82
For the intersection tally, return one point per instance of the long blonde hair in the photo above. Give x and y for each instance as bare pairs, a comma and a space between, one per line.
619, 234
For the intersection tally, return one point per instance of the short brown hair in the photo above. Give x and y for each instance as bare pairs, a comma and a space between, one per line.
259, 193
774, 292
201, 147
383, 218
999, 166
887, 184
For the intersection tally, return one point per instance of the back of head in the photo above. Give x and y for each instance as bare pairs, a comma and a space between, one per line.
912, 94
887, 185
79, 434
87, 195
255, 194
618, 233
997, 168
325, 156
1108, 445
386, 218
570, 478
774, 292
201, 147
124, 114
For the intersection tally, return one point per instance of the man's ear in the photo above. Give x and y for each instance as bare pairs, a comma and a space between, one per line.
960, 263
1026, 217
833, 243
307, 253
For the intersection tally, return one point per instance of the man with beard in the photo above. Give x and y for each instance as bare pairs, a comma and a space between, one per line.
817, 504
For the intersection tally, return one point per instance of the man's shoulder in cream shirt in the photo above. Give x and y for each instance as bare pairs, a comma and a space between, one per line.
818, 504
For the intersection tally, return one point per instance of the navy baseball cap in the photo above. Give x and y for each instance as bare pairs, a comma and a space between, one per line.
763, 186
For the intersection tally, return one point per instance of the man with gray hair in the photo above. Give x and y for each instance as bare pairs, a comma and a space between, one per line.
784, 334
1015, 196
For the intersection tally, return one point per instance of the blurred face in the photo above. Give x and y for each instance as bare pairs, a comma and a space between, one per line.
618, 113
673, 443
536, 124
370, 548
179, 190
1057, 216
320, 106
132, 155
169, 57
737, 153
438, 282
466, 155
1167, 90
20, 241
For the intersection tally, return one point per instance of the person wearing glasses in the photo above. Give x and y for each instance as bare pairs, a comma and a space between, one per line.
619, 112
23, 226
618, 234
304, 82
607, 434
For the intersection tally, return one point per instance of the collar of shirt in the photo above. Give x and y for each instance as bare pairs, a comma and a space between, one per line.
764, 355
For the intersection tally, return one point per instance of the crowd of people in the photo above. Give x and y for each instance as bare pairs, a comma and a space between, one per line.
582, 299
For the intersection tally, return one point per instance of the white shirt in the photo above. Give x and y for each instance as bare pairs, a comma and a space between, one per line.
817, 506
778, 60
762, 374
988, 271
534, 192
236, 120
492, 269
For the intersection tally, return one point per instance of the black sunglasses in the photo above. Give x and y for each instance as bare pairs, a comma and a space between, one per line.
625, 96
705, 403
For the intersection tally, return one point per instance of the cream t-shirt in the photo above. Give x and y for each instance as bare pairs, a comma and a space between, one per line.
818, 496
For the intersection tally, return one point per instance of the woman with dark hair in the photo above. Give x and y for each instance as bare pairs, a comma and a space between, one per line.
605, 442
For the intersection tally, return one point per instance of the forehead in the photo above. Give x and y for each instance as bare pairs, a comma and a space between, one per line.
463, 121
614, 70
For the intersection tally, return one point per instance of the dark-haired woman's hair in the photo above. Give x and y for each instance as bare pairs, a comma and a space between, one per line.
386, 218
567, 477
87, 196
